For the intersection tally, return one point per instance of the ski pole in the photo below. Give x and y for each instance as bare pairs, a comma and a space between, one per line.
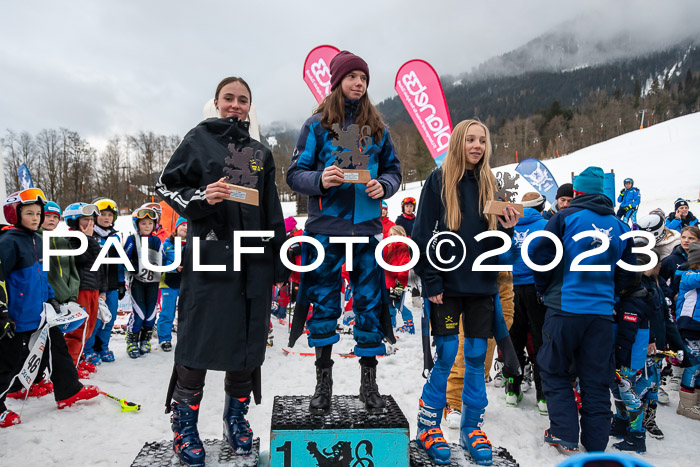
126, 405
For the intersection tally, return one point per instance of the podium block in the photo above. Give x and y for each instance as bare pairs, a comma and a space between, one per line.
346, 436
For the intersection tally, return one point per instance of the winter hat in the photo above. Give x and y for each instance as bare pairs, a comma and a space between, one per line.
679, 202
533, 200
342, 64
290, 224
566, 189
52, 207
694, 253
180, 220
590, 181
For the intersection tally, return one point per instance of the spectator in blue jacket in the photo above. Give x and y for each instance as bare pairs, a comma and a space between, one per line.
629, 200
681, 216
578, 325
345, 127
529, 312
688, 319
565, 193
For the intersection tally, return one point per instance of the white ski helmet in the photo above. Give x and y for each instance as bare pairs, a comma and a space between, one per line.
652, 223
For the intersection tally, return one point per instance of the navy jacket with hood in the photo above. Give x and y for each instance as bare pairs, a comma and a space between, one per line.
585, 292
344, 209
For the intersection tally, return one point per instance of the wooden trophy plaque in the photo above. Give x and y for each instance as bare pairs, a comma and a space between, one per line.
242, 194
496, 208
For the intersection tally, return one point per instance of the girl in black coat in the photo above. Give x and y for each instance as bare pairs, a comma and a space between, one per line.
224, 314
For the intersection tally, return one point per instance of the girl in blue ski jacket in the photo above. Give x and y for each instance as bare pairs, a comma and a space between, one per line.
345, 131
681, 217
452, 203
688, 319
629, 200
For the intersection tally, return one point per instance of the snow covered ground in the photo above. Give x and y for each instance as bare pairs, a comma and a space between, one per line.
664, 161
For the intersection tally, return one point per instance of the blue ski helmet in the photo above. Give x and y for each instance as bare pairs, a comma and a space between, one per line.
77, 210
628, 180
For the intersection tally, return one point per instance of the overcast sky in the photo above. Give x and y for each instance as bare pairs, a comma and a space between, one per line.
104, 68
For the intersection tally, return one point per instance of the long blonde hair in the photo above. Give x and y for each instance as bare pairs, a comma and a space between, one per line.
454, 168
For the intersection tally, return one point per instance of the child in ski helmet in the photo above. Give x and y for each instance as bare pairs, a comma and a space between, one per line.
408, 215
143, 281
345, 122
24, 289
80, 217
386, 222
97, 346
398, 254
629, 200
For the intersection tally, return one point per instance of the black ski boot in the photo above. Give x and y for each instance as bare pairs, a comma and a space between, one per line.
186, 442
145, 341
650, 422
237, 430
321, 401
132, 344
619, 427
634, 441
369, 392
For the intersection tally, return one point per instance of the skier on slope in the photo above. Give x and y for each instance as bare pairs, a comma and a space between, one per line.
346, 116
629, 200
223, 315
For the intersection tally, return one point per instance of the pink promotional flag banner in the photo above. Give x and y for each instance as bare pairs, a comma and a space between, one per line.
316, 73
419, 88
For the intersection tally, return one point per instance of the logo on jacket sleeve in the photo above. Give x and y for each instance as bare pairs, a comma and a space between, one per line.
631, 317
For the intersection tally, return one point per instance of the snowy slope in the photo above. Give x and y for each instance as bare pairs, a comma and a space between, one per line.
664, 162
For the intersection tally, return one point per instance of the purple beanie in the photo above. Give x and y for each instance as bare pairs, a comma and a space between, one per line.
342, 64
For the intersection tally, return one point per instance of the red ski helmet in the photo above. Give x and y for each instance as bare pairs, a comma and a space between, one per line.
12, 204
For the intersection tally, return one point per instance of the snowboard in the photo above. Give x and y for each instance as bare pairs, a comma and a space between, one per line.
160, 453
420, 458
287, 351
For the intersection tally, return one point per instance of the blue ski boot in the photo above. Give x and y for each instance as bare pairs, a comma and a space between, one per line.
237, 430
186, 442
472, 439
634, 441
430, 436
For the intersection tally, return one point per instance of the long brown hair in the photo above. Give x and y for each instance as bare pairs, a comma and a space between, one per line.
454, 167
332, 110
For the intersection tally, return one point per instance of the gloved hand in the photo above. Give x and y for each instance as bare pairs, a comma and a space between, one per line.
540, 298
121, 290
629, 207
625, 208
622, 192
7, 327
56, 306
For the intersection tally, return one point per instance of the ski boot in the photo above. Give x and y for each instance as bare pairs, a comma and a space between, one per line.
35, 390
270, 336
633, 441
237, 430
528, 377
498, 380
85, 393
472, 439
565, 447
369, 392
9, 418
620, 426
453, 417
132, 346
407, 327
166, 346
321, 401
92, 357
107, 356
186, 442
674, 382
650, 422
145, 341
542, 407
513, 393
663, 396
429, 436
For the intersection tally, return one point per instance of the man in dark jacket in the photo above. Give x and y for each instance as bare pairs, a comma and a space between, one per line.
579, 293
565, 194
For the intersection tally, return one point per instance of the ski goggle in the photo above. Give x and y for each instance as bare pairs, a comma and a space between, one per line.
146, 213
28, 196
409, 201
155, 206
106, 204
90, 210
